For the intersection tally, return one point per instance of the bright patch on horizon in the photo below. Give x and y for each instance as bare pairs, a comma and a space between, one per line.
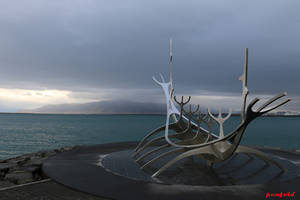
28, 99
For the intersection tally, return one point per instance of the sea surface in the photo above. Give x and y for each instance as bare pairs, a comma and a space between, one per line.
25, 133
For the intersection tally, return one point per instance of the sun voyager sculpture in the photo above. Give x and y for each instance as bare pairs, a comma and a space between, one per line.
187, 132
192, 156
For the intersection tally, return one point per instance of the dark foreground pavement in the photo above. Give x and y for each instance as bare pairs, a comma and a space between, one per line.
51, 190
78, 169
45, 191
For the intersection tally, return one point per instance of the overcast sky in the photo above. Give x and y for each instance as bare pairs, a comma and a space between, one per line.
70, 51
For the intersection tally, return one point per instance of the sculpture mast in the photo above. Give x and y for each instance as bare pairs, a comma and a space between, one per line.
171, 75
171, 62
243, 79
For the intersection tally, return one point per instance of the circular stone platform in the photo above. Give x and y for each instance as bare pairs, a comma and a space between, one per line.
108, 170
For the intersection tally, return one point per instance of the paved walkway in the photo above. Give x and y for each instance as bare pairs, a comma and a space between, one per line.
45, 191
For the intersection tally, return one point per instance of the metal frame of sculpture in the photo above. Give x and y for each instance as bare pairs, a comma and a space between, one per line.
194, 140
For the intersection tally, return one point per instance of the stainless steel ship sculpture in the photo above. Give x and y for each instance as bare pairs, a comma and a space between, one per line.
186, 135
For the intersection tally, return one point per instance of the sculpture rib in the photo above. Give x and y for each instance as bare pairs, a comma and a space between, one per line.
152, 151
153, 133
161, 156
181, 156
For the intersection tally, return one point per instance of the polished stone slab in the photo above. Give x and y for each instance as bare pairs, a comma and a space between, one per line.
80, 170
240, 169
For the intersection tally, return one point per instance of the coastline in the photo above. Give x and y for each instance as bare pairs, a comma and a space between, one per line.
26, 168
22, 177
159, 114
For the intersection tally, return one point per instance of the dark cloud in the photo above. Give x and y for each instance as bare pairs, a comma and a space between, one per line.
85, 45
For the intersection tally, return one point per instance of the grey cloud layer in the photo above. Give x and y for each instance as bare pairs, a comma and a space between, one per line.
79, 45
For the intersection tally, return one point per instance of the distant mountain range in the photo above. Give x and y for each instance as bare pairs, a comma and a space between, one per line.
121, 107
102, 107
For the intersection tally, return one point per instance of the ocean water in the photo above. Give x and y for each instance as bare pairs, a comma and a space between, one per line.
25, 133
